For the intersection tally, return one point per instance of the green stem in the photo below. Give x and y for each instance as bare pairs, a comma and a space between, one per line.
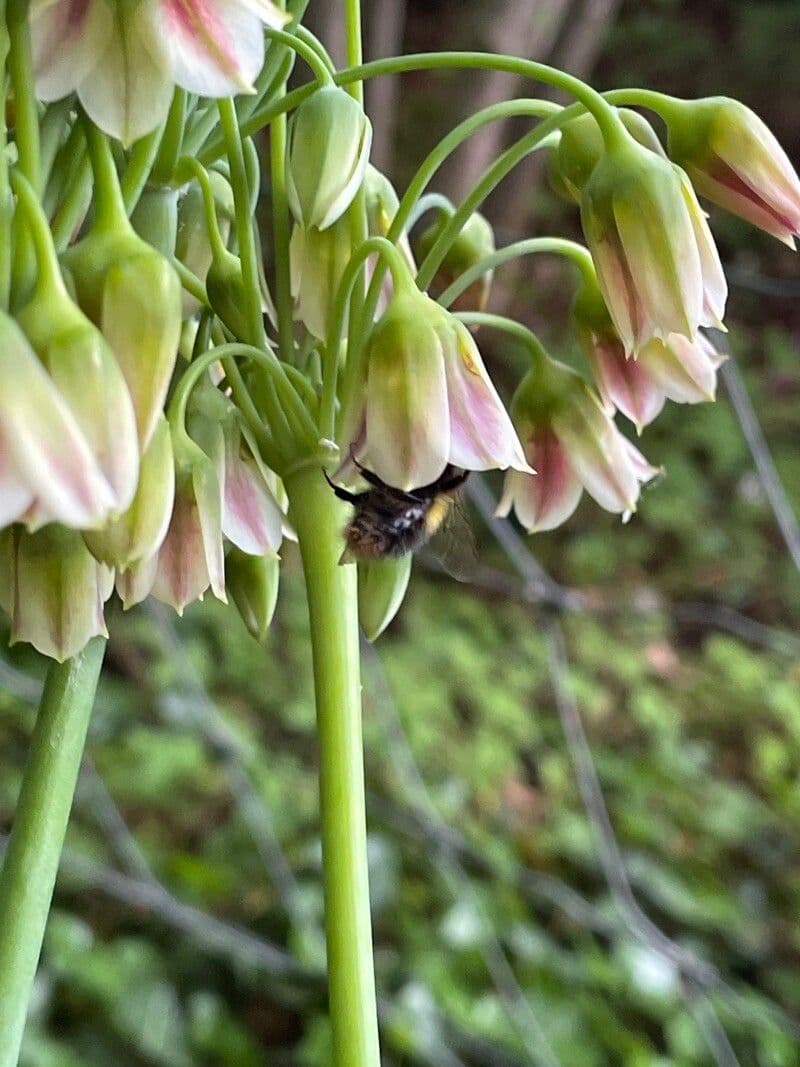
34, 848
109, 207
140, 165
573, 251
332, 592
169, 149
244, 222
354, 46
75, 204
20, 66
320, 70
511, 327
49, 283
280, 234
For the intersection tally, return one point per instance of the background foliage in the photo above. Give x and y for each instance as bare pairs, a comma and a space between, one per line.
187, 925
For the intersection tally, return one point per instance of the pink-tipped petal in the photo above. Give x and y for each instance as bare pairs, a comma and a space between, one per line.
212, 47
596, 451
625, 384
482, 436
251, 518
544, 500
685, 370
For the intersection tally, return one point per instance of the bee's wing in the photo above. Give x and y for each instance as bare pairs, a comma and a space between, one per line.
453, 544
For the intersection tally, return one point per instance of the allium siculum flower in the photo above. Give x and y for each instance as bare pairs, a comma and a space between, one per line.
54, 590
638, 385
734, 160
48, 470
572, 444
429, 400
657, 264
124, 57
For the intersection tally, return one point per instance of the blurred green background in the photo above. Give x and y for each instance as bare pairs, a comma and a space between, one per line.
511, 928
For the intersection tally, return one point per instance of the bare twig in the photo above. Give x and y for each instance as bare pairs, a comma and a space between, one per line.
759, 449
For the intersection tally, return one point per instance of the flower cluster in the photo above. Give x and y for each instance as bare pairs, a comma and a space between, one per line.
138, 453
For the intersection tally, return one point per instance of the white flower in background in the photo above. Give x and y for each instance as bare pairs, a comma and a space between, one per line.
123, 57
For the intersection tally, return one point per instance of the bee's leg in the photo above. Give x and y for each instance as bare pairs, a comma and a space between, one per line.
343, 494
454, 482
368, 476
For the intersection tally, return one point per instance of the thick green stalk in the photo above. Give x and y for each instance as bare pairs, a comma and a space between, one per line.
34, 847
333, 611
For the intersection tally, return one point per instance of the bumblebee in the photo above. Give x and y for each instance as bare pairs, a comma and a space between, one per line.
388, 523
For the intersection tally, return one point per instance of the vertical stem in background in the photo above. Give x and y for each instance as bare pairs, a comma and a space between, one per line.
358, 211
280, 227
40, 822
6, 203
333, 612
26, 136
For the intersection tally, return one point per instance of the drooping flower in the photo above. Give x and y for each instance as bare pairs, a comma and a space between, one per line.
47, 461
123, 58
735, 161
429, 400
572, 444
656, 260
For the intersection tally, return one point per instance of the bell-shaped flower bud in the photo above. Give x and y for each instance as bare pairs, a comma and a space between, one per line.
191, 556
429, 400
227, 293
135, 584
155, 217
474, 243
581, 146
252, 582
329, 142
83, 368
657, 264
132, 293
573, 444
382, 587
139, 532
193, 244
58, 591
735, 161
676, 369
45, 451
318, 259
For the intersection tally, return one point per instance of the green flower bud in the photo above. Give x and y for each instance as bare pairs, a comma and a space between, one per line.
318, 260
382, 586
252, 582
581, 147
329, 142
155, 217
474, 243
226, 291
139, 532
